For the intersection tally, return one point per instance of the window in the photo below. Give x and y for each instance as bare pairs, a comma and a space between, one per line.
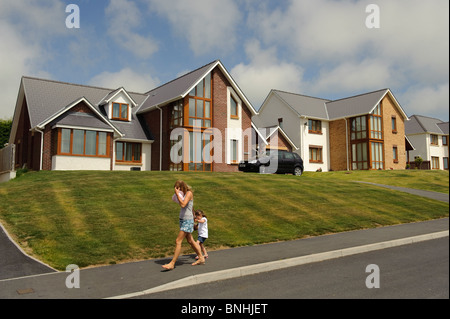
434, 140
128, 152
199, 105
359, 128
233, 108
234, 151
445, 162
395, 153
434, 162
315, 126
377, 155
315, 154
445, 140
82, 143
394, 124
376, 123
120, 112
360, 156
176, 118
199, 152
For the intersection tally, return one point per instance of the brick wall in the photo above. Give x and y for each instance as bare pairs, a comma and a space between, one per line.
338, 144
392, 139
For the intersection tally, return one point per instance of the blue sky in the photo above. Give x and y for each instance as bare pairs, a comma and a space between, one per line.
314, 47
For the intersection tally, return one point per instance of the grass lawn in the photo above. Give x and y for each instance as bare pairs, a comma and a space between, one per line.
93, 218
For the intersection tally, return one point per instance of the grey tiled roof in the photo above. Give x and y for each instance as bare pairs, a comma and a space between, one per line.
174, 89
46, 98
305, 105
423, 124
318, 108
355, 105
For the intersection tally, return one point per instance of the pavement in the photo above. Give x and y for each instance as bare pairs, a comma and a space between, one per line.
22, 277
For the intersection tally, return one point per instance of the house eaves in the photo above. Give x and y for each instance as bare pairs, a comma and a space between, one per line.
42, 125
179, 88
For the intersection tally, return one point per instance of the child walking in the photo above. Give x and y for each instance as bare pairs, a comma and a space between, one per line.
200, 217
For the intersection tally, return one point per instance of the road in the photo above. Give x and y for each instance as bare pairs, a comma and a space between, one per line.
419, 270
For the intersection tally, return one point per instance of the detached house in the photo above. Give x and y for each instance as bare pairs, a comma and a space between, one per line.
355, 133
430, 138
64, 126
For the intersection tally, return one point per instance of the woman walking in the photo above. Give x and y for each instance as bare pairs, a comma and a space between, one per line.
186, 201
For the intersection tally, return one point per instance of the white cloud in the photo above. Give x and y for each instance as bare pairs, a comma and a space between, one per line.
427, 100
330, 40
265, 72
124, 17
368, 75
25, 27
206, 24
132, 81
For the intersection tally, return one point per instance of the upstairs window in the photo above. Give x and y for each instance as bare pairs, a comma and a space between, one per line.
198, 112
315, 126
434, 140
120, 111
376, 129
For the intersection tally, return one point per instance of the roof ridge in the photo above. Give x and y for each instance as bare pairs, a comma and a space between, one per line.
358, 95
190, 72
428, 117
81, 85
313, 97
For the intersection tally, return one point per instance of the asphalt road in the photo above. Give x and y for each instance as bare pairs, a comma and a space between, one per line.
419, 270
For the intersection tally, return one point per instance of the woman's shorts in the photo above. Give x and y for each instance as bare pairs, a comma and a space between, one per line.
187, 225
201, 239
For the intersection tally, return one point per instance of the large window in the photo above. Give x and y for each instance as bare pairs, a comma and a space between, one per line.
360, 156
197, 119
199, 105
199, 152
376, 129
434, 162
377, 155
128, 152
359, 128
82, 143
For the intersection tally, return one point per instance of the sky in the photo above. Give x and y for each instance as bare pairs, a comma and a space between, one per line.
330, 49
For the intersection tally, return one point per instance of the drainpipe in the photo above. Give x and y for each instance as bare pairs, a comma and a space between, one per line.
346, 140
160, 137
42, 147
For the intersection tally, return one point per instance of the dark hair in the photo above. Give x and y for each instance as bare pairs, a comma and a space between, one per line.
200, 212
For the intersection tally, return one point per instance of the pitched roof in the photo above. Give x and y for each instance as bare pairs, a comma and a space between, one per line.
422, 124
319, 108
180, 87
175, 89
304, 105
355, 105
47, 99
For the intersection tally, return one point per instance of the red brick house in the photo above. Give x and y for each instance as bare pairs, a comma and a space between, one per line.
64, 126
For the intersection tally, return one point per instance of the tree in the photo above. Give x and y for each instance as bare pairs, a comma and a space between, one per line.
5, 130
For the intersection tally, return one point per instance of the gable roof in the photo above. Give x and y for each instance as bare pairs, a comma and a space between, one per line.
304, 105
318, 108
48, 99
355, 105
180, 87
418, 124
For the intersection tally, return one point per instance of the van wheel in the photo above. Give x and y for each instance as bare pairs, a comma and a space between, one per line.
298, 171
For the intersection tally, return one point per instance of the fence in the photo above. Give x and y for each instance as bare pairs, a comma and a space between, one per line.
7, 156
